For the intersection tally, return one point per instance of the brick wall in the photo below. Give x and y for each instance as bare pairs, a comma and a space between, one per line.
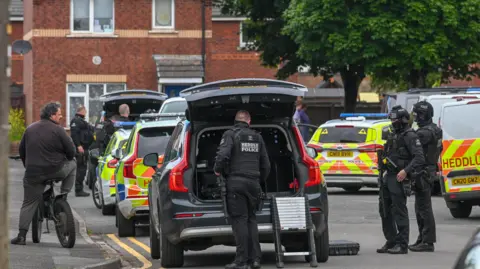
58, 53
17, 60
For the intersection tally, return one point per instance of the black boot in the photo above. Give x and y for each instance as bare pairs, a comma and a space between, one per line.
423, 247
20, 239
255, 265
82, 194
236, 266
385, 248
397, 249
415, 244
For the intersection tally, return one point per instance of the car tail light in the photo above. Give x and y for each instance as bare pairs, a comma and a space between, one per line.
128, 164
315, 209
112, 163
370, 148
314, 175
473, 102
192, 215
343, 126
176, 174
317, 147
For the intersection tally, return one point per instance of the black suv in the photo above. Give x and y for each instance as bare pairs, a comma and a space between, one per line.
185, 205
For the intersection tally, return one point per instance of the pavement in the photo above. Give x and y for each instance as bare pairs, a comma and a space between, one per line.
353, 216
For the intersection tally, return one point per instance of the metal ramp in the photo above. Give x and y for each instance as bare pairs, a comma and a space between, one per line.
292, 214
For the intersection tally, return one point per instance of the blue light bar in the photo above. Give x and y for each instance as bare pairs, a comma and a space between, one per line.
473, 90
366, 115
120, 124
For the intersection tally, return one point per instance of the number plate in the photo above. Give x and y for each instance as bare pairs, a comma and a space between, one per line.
471, 180
340, 154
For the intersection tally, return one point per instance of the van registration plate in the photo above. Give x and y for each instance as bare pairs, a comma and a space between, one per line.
340, 154
470, 180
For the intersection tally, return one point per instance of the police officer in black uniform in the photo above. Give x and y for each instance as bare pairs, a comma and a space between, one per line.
107, 128
431, 138
82, 136
403, 156
242, 156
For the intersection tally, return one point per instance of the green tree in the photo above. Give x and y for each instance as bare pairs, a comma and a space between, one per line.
412, 43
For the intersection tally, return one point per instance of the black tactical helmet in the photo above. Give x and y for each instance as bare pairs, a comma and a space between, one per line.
399, 113
423, 111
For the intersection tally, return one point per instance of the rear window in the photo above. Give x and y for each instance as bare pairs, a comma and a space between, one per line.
343, 135
453, 128
153, 140
174, 107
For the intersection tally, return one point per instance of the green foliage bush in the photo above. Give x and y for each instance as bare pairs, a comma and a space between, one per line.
16, 118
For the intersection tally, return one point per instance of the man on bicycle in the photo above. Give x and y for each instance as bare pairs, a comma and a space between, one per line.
47, 152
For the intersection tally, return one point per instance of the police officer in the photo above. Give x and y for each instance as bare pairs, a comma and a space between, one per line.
243, 157
82, 136
107, 129
431, 138
402, 157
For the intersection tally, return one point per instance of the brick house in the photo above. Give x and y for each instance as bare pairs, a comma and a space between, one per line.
85, 48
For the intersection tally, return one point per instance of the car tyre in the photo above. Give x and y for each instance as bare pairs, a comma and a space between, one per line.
322, 246
462, 211
172, 255
108, 210
97, 195
126, 227
352, 189
154, 238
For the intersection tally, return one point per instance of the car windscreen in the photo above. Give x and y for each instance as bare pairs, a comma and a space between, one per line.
343, 135
174, 107
153, 140
459, 122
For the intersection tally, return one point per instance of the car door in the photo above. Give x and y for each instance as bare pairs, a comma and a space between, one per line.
107, 156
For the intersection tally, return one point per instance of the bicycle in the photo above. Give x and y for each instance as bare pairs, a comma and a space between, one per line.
55, 208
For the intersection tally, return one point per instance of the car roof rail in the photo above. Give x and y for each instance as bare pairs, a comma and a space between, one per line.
161, 116
440, 89
240, 83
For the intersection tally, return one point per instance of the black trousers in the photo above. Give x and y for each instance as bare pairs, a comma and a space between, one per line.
424, 213
394, 212
242, 199
81, 170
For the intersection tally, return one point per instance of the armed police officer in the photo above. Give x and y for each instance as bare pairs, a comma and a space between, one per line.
431, 138
107, 128
242, 157
82, 136
403, 156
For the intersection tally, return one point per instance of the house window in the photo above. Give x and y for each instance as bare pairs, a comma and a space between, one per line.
243, 37
83, 94
163, 13
92, 16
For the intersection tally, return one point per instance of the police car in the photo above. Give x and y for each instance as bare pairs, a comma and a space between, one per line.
348, 148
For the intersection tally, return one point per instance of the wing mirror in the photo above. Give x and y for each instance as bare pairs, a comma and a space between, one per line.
312, 152
117, 153
151, 160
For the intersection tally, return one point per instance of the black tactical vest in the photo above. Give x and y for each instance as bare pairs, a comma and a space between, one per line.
245, 158
433, 149
397, 149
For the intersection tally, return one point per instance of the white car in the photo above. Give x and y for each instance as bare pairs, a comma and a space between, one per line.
174, 105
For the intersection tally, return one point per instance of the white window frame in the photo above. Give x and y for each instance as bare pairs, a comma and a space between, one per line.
243, 44
154, 27
91, 23
85, 96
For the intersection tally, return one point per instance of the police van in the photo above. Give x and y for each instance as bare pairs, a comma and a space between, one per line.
438, 100
347, 149
460, 158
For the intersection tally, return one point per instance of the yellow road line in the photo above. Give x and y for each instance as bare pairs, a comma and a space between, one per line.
140, 244
146, 263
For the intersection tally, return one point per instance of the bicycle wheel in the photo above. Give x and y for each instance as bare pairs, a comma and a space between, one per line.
65, 224
37, 224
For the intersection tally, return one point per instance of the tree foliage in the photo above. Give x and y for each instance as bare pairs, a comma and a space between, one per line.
402, 43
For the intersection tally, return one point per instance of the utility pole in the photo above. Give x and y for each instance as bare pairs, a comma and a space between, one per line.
4, 127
